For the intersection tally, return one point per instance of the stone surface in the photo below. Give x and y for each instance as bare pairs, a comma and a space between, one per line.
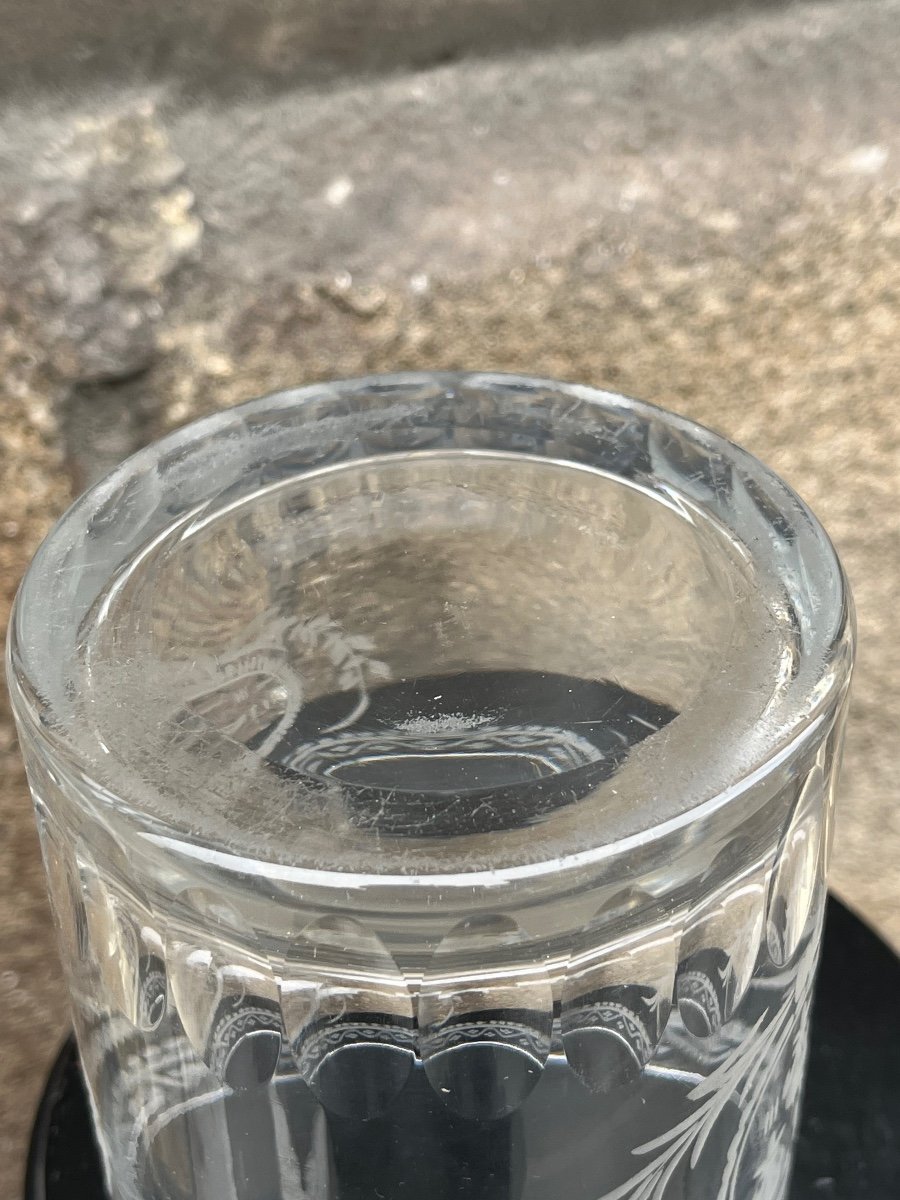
32, 1000
230, 44
92, 234
706, 216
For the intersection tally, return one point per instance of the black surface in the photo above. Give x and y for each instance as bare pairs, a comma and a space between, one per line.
849, 1146
507, 708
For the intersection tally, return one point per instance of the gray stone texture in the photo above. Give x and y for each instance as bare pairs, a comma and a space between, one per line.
705, 213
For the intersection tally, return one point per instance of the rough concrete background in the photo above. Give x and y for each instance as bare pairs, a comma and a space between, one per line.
706, 215
236, 46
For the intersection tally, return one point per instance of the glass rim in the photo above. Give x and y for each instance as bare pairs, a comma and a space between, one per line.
36, 663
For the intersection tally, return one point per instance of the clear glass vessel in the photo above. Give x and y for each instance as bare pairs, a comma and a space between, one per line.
435, 775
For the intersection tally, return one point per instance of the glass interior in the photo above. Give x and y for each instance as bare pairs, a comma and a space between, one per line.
442, 644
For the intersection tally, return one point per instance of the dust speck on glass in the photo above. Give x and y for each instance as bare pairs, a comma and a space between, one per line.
435, 777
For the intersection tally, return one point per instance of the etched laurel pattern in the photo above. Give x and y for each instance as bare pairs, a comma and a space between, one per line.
747, 1077
237, 1017
559, 747
776, 1124
618, 1018
349, 654
215, 590
263, 691
152, 993
485, 1030
259, 692
316, 1044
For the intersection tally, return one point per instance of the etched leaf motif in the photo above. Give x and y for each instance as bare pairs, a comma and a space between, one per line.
748, 1078
348, 654
772, 1171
